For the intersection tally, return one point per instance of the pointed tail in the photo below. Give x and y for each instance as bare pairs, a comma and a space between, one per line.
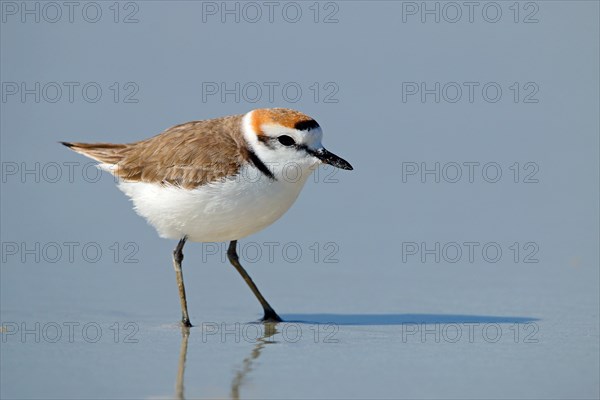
107, 153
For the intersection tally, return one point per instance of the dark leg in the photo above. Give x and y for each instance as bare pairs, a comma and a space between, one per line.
270, 314
177, 259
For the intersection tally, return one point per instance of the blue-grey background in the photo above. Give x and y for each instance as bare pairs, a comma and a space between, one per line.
363, 56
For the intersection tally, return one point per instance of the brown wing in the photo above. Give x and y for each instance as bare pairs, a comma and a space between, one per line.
187, 155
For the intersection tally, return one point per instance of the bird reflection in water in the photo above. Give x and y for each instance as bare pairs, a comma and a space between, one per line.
269, 330
179, 391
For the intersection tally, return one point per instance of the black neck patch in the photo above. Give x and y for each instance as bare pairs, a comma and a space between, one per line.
260, 165
306, 125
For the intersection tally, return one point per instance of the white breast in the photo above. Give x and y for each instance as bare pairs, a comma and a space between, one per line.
217, 212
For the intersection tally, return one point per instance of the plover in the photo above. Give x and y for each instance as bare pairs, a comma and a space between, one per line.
217, 180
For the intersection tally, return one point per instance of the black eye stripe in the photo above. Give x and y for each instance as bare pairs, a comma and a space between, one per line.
286, 140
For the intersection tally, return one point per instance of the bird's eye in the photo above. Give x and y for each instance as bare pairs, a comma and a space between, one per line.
286, 140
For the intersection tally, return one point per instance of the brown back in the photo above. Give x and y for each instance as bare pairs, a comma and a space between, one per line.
187, 155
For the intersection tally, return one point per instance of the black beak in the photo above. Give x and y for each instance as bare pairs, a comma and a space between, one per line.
329, 158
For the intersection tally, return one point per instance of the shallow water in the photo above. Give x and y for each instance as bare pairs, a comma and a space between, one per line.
528, 343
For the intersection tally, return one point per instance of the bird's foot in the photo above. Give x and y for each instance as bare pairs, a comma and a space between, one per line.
186, 323
271, 316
